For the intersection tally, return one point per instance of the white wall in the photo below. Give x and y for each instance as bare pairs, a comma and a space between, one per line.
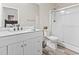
27, 11
31, 11
44, 13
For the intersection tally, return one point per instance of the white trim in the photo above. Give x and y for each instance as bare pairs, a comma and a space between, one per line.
73, 48
67, 7
18, 16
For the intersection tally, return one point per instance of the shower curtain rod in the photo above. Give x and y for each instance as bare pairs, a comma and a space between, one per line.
66, 7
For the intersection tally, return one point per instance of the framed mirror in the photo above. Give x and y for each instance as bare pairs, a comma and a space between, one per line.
10, 15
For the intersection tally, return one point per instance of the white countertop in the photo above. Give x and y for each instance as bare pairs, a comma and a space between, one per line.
7, 33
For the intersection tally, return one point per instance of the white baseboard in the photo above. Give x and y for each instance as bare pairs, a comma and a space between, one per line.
73, 48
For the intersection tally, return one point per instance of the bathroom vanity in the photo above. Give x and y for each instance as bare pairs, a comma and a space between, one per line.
18, 42
25, 42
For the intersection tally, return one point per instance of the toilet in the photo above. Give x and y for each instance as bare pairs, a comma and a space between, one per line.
51, 43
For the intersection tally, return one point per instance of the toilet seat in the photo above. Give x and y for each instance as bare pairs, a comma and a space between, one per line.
52, 38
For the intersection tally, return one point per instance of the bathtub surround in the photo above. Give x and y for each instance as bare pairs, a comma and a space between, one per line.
66, 26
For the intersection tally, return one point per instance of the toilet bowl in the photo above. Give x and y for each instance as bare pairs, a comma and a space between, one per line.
51, 41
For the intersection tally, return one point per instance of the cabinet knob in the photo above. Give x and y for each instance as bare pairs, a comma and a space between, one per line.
25, 44
22, 46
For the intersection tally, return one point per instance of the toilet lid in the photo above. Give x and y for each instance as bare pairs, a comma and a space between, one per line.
52, 38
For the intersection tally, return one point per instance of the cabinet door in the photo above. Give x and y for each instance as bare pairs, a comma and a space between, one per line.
1, 21
3, 51
16, 49
33, 46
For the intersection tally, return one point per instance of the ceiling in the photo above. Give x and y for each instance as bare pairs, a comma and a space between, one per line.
57, 5
61, 5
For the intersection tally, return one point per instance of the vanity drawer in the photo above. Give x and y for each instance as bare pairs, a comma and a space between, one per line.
31, 35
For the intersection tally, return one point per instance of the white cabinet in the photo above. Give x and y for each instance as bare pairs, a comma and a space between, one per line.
15, 49
3, 51
23, 44
28, 47
0, 15
33, 47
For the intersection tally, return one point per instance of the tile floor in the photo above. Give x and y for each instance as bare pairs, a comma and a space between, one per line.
58, 51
